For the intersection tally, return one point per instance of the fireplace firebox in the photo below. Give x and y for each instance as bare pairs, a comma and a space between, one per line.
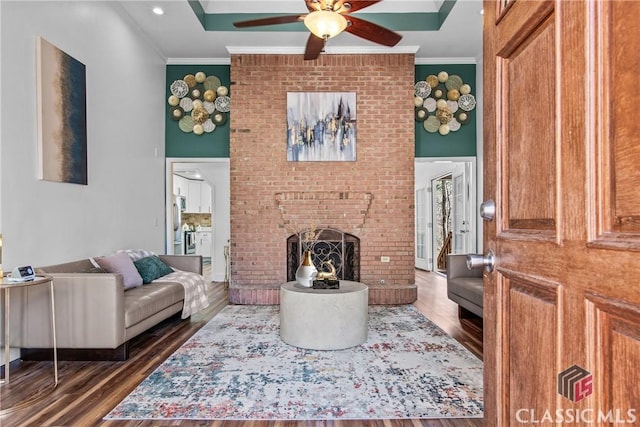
342, 249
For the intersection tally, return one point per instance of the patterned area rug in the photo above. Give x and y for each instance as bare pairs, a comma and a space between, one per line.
236, 367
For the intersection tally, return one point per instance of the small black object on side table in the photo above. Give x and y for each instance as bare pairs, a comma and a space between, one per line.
326, 284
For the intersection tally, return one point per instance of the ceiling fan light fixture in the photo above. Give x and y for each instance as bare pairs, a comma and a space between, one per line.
325, 23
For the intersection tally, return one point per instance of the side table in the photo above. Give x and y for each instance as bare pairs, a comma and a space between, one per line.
7, 286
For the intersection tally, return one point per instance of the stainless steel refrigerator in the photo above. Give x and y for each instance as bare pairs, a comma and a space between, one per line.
179, 205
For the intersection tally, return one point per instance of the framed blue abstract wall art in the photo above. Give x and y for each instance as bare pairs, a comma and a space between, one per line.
62, 115
321, 126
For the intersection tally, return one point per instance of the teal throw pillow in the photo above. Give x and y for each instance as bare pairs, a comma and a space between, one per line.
151, 268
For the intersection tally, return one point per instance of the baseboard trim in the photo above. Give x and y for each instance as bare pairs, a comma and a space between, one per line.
270, 294
392, 294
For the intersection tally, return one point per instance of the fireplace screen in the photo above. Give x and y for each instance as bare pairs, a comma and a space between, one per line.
342, 249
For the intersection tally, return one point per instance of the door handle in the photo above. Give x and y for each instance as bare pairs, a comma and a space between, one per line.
488, 210
487, 261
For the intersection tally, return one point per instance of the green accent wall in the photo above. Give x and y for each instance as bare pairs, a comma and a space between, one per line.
216, 144
455, 144
181, 144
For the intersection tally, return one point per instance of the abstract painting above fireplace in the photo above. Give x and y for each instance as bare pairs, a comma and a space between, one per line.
321, 126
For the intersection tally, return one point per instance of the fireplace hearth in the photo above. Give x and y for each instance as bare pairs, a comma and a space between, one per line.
342, 249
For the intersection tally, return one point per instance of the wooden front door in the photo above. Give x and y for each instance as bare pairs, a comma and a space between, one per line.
562, 162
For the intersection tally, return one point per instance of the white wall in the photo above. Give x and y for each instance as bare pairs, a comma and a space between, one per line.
123, 204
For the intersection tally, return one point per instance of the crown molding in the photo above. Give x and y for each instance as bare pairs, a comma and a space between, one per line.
330, 50
344, 50
360, 50
199, 61
438, 61
264, 50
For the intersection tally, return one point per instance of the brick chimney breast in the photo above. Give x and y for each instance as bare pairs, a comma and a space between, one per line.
371, 198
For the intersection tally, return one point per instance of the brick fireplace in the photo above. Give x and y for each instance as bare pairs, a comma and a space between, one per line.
272, 199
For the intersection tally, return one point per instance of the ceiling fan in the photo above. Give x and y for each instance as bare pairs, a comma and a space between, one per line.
328, 18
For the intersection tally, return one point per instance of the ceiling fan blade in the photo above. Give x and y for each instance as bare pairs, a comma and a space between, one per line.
285, 19
373, 32
355, 5
315, 45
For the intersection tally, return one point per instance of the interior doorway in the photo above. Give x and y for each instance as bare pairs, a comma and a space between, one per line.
210, 210
459, 176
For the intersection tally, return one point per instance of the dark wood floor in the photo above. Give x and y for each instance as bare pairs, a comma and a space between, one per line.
434, 304
87, 391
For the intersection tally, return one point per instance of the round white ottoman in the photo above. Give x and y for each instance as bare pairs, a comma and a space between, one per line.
324, 319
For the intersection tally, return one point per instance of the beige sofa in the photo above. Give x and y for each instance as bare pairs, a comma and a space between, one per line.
95, 316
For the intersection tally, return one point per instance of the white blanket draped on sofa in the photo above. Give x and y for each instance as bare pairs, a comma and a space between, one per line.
195, 290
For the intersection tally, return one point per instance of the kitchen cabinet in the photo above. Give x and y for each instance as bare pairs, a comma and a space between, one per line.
198, 197
193, 197
203, 243
180, 185
205, 198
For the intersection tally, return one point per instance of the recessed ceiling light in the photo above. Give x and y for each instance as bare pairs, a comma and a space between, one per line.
158, 11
